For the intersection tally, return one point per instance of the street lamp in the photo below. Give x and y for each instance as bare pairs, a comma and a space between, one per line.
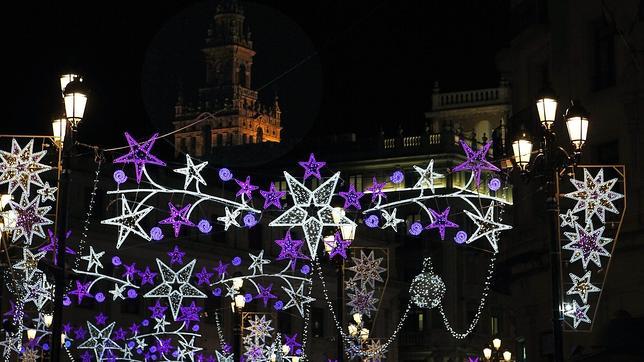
348, 231
31, 334
75, 96
47, 319
522, 148
547, 107
577, 124
59, 128
488, 352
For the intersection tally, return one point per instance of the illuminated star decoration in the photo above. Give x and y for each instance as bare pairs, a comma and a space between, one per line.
312, 167
594, 196
30, 218
52, 245
587, 245
129, 222
376, 190
223, 358
311, 210
476, 161
258, 262
140, 155
158, 310
568, 219
147, 276
192, 172
245, 188
38, 292
297, 298
265, 293
47, 192
441, 222
582, 286
362, 301
29, 263
230, 218
175, 286
338, 246
367, 269
292, 342
221, 269
93, 259
259, 328
189, 313
176, 256
486, 227
290, 249
351, 197
99, 340
82, 290
177, 218
427, 176
390, 220
203, 277
577, 313
272, 197
21, 167
375, 350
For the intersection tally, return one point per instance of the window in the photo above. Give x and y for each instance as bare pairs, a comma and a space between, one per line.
604, 56
494, 325
260, 135
421, 321
244, 138
219, 140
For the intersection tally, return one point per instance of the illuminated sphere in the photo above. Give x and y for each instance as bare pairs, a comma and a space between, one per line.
427, 289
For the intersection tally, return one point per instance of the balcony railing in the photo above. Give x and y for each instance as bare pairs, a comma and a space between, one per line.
413, 141
471, 98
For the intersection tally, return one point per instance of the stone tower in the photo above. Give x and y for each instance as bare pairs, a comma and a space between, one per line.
227, 94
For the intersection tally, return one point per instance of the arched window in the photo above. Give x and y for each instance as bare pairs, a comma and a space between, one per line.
260, 135
242, 75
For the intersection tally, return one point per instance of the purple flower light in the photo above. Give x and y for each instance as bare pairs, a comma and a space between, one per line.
305, 269
312, 167
460, 237
250, 220
278, 305
225, 174
119, 177
116, 261
416, 228
156, 233
494, 184
140, 155
131, 293
372, 221
397, 177
204, 226
216, 292
237, 261
248, 297
100, 297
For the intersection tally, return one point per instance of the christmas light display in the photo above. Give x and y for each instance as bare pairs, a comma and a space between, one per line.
21, 167
476, 161
427, 289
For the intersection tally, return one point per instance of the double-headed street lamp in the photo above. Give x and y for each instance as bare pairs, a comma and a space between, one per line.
549, 162
495, 354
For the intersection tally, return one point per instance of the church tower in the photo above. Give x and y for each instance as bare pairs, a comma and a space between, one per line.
227, 93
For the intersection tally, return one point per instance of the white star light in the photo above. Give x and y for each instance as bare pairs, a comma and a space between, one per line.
117, 292
192, 172
99, 340
93, 259
390, 220
128, 222
367, 269
21, 167
223, 358
258, 262
230, 218
38, 292
427, 176
568, 219
30, 218
259, 328
47, 192
577, 313
582, 286
311, 210
297, 298
159, 327
587, 245
13, 342
594, 196
29, 263
169, 288
188, 349
486, 227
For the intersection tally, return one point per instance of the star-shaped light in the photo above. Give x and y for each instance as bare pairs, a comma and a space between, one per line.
21, 167
297, 298
93, 259
351, 197
376, 189
82, 290
486, 227
427, 176
338, 246
259, 328
362, 301
187, 349
192, 172
30, 218
130, 270
594, 195
189, 313
158, 309
47, 192
257, 262
52, 245
582, 286
203, 277
587, 245
367, 268
245, 188
99, 340
147, 276
101, 319
224, 358
221, 269
568, 219
160, 325
272, 197
290, 249
265, 293
177, 218
476, 161
230, 218
175, 286
441, 222
39, 291
120, 334
390, 220
311, 210
128, 222
140, 155
312, 167
176, 256
29, 263
117, 292
577, 313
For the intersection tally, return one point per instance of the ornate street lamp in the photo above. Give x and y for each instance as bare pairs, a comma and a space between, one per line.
59, 128
547, 107
577, 124
522, 149
75, 96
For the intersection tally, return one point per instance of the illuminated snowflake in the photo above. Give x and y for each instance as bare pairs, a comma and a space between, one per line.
259, 328
367, 269
594, 195
21, 167
587, 245
362, 301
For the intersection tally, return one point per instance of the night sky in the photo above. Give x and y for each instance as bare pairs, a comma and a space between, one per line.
336, 65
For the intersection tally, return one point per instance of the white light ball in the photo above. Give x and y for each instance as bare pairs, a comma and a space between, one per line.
427, 289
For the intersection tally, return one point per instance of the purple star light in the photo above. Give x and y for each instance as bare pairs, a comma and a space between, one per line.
290, 249
203, 277
272, 197
176, 256
178, 218
147, 276
476, 161
139, 155
351, 197
158, 310
265, 293
221, 269
376, 190
312, 167
245, 188
82, 290
441, 222
339, 246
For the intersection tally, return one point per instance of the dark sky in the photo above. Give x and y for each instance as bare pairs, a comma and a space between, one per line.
369, 63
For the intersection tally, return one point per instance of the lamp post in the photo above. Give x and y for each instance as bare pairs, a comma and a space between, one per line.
237, 305
495, 354
549, 161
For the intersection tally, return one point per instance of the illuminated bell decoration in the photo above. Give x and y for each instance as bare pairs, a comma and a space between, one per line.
427, 289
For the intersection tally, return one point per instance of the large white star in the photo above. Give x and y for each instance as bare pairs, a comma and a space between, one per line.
29, 263
587, 245
577, 313
230, 218
93, 259
192, 172
39, 291
187, 349
581, 286
311, 210
487, 227
30, 218
99, 340
297, 298
391, 220
594, 196
175, 286
427, 176
367, 268
128, 222
21, 167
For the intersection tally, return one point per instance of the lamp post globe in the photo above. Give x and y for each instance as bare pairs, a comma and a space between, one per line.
547, 107
577, 120
75, 97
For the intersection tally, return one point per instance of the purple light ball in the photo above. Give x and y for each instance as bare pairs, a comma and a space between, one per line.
119, 177
278, 305
298, 352
66, 301
216, 292
156, 233
131, 293
153, 349
45, 346
68, 344
225, 174
250, 220
416, 228
494, 184
372, 221
100, 297
460, 237
305, 269
130, 344
145, 323
204, 226
248, 297
237, 261
195, 328
116, 261
397, 177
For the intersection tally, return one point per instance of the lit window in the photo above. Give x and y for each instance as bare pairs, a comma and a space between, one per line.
494, 324
421, 322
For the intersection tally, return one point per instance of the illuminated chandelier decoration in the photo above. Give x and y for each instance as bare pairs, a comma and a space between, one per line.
591, 215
